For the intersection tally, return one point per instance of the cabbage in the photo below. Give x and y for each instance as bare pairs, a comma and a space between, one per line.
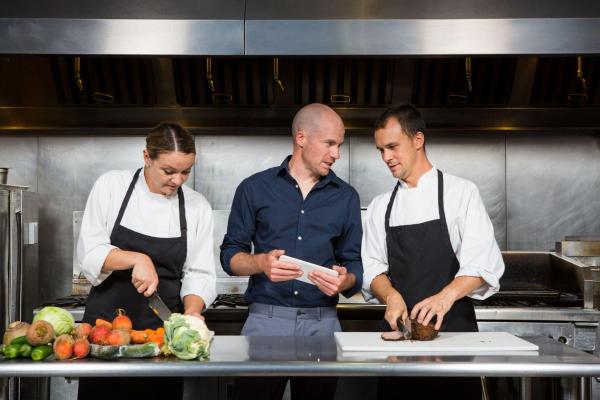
187, 337
61, 320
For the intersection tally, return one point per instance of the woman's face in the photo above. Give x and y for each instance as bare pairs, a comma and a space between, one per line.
168, 171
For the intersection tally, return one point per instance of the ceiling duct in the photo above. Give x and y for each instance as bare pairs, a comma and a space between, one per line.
118, 27
423, 28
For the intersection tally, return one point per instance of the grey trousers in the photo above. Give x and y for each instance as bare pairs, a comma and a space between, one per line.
269, 320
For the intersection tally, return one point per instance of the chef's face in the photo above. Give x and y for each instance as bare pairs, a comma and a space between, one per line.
321, 148
167, 172
398, 150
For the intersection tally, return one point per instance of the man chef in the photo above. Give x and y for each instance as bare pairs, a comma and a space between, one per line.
428, 245
301, 209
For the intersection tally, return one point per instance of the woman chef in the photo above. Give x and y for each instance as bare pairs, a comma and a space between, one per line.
143, 231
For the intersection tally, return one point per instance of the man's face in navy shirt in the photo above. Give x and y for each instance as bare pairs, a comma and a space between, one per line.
320, 149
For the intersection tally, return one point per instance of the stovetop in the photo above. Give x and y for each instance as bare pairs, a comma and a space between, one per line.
222, 301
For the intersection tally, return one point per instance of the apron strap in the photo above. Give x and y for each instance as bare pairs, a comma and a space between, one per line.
441, 200
182, 220
388, 211
126, 199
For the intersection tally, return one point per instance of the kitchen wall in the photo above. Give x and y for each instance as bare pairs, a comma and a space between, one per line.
536, 188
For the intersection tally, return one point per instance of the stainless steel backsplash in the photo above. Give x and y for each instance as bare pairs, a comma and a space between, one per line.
536, 188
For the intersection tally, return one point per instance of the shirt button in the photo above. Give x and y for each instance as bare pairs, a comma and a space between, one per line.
296, 186
299, 237
301, 211
295, 293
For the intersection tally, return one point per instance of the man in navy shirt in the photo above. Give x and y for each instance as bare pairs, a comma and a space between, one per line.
301, 209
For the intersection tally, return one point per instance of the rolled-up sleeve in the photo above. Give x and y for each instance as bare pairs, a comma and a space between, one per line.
347, 247
199, 270
374, 250
240, 228
93, 244
479, 253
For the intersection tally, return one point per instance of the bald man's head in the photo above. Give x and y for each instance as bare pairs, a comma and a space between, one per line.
314, 118
318, 134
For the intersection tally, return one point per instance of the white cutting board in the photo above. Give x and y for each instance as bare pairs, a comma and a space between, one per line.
446, 343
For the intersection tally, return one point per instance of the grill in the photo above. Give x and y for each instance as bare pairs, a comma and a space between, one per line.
531, 298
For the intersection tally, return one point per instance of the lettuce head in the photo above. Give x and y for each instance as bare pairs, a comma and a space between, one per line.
187, 337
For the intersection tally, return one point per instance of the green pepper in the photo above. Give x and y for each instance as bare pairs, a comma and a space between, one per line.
11, 351
19, 340
25, 350
41, 352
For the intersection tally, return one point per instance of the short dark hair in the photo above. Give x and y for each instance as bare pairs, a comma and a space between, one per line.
167, 137
407, 116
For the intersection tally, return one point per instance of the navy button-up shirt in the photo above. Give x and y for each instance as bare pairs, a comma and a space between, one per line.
325, 228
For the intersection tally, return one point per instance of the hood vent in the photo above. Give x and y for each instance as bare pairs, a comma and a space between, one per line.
104, 81
556, 82
360, 82
334, 81
441, 82
245, 82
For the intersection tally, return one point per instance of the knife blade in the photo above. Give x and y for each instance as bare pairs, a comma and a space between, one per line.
159, 307
405, 329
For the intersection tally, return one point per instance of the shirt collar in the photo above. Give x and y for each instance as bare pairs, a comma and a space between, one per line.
283, 170
425, 179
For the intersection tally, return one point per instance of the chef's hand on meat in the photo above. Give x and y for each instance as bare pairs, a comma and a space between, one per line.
332, 285
437, 305
396, 308
278, 271
143, 275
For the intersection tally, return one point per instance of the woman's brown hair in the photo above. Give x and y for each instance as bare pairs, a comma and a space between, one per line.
167, 137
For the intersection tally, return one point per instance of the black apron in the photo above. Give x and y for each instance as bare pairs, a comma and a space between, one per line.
421, 263
117, 291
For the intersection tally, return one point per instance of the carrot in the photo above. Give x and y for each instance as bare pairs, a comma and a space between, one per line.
139, 337
103, 322
158, 339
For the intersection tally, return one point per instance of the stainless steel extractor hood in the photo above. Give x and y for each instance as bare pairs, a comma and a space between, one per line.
426, 27
308, 27
117, 27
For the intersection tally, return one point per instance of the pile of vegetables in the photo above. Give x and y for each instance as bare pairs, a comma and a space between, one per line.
53, 332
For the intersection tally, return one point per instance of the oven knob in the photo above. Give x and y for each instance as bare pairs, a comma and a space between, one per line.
562, 339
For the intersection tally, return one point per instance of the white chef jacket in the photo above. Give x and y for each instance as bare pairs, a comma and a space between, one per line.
469, 226
150, 214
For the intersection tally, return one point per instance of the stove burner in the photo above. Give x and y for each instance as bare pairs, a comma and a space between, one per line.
531, 298
230, 300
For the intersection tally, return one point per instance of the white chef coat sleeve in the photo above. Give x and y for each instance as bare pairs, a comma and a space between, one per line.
93, 244
374, 249
199, 274
479, 252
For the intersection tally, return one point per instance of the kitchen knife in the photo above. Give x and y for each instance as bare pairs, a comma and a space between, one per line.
159, 307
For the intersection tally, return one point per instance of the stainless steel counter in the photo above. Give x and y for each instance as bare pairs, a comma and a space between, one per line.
318, 356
